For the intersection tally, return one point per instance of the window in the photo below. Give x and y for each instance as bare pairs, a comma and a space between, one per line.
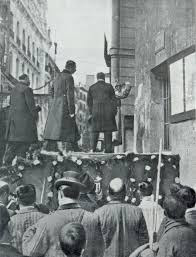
10, 62
23, 37
11, 20
23, 68
183, 85
167, 111
37, 53
32, 82
36, 82
33, 49
17, 67
28, 43
18, 29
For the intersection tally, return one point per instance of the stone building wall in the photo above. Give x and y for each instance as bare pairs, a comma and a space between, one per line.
164, 28
123, 62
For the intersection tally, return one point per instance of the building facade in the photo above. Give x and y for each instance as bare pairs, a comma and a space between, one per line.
27, 48
162, 36
29, 40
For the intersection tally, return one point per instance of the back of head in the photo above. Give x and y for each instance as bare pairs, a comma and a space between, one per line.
146, 188
184, 193
70, 64
174, 207
26, 194
101, 75
4, 188
117, 189
72, 239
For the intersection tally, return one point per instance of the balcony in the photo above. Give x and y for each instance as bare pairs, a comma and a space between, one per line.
29, 54
33, 58
37, 64
24, 48
18, 41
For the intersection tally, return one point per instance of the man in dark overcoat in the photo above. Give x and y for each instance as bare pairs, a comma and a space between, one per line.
42, 239
102, 106
122, 225
61, 125
21, 128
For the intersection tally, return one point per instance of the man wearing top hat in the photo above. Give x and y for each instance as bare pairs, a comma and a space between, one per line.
123, 226
42, 239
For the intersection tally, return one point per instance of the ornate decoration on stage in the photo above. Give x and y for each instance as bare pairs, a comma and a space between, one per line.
102, 168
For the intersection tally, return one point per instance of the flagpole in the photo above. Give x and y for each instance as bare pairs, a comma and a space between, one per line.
155, 208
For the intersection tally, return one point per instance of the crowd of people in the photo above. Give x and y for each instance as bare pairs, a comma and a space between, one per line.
116, 229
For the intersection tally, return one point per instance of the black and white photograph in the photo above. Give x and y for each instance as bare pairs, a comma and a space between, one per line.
98, 128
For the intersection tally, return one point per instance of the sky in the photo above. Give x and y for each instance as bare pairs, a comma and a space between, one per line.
78, 27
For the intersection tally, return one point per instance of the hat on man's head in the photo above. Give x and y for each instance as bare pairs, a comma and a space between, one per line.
4, 186
116, 186
71, 178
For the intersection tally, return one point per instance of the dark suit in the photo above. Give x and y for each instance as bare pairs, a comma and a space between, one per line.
60, 126
21, 128
103, 108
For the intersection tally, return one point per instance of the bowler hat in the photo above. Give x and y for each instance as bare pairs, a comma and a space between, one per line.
71, 178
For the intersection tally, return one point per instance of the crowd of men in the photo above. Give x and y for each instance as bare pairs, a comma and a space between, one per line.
116, 229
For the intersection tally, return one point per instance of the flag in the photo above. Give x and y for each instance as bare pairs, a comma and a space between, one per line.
55, 48
106, 55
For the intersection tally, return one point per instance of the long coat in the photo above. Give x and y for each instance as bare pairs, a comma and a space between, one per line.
42, 238
22, 118
20, 222
123, 228
102, 105
178, 240
60, 126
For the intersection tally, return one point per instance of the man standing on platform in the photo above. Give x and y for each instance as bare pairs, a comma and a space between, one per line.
102, 105
23, 114
61, 125
123, 226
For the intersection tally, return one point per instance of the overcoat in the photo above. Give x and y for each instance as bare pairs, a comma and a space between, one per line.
22, 118
59, 125
42, 239
102, 106
20, 222
178, 240
123, 228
